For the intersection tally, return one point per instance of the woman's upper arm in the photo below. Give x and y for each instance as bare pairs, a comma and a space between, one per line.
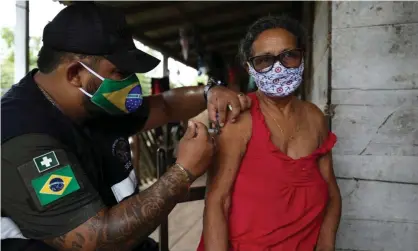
325, 163
231, 146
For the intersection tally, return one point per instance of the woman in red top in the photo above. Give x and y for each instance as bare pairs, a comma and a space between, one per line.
273, 186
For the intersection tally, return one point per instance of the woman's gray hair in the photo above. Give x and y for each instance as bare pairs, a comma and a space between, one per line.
270, 22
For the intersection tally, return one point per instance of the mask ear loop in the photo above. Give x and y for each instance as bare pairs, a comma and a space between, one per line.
251, 69
85, 92
92, 72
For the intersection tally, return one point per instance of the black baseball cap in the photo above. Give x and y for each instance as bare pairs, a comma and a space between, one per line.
93, 29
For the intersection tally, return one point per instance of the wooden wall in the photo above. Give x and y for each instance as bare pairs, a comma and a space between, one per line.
375, 95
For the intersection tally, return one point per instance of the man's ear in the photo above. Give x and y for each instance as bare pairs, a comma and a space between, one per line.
74, 74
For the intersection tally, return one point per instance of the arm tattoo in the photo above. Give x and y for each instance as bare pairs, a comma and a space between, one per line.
123, 226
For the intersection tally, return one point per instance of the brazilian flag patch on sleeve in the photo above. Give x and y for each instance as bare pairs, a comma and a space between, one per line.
55, 185
51, 176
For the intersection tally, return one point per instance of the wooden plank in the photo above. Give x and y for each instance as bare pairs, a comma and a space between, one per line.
195, 193
378, 57
159, 47
318, 92
400, 149
183, 217
210, 12
320, 31
388, 98
190, 240
354, 126
379, 201
163, 11
220, 22
371, 13
378, 216
384, 168
370, 130
147, 9
367, 235
213, 36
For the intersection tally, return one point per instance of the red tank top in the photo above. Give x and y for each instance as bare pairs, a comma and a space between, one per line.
277, 203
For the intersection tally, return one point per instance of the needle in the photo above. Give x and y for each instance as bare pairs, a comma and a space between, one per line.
217, 129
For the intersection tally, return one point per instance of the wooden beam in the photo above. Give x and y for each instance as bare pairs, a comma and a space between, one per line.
118, 4
232, 39
161, 48
242, 20
195, 193
183, 15
208, 13
229, 56
226, 52
149, 6
214, 44
214, 35
230, 51
218, 46
214, 29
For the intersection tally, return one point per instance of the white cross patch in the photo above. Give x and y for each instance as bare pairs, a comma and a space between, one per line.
46, 161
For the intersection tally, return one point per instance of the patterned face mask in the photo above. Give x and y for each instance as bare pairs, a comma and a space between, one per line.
279, 81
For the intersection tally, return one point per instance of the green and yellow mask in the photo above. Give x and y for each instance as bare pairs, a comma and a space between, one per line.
116, 96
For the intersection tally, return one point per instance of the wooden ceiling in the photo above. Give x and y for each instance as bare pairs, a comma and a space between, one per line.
220, 24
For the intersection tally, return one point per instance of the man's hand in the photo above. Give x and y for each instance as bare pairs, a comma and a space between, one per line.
196, 149
219, 98
126, 224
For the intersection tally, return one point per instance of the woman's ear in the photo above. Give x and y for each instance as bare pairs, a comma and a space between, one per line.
246, 66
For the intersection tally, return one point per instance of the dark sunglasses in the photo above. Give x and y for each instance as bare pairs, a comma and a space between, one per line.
289, 59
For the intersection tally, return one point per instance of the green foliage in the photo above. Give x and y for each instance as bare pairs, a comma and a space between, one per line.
145, 84
8, 36
7, 64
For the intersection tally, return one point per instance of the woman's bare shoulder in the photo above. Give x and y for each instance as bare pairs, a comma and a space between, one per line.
240, 129
312, 110
231, 131
234, 137
315, 116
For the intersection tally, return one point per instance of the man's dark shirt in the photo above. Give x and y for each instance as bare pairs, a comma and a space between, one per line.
57, 174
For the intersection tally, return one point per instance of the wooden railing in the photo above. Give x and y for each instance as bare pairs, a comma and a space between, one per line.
152, 154
195, 193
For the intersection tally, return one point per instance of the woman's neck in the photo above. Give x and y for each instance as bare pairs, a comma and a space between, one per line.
283, 105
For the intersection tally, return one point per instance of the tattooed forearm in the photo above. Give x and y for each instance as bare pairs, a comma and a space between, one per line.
78, 242
125, 225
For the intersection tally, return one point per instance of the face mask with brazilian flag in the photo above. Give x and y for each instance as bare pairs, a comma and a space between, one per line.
116, 96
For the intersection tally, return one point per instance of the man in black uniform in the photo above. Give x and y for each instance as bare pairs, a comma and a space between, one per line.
67, 177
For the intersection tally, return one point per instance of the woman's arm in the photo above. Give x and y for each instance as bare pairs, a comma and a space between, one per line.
328, 232
327, 235
231, 145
